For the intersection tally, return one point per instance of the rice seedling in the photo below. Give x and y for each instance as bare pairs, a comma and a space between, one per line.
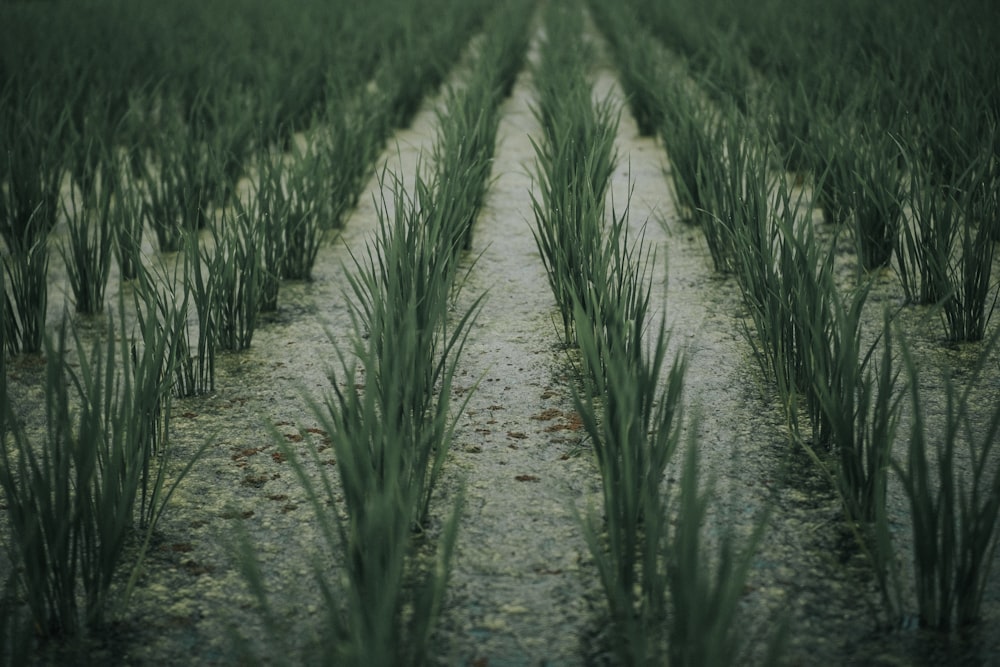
508, 38
127, 224
925, 246
706, 585
833, 156
402, 291
265, 213
87, 250
390, 438
878, 197
26, 268
91, 130
302, 198
32, 164
784, 287
235, 266
183, 178
200, 285
463, 152
169, 298
689, 135
634, 427
946, 255
574, 166
954, 515
858, 401
735, 188
792, 125
638, 63
354, 131
72, 501
568, 236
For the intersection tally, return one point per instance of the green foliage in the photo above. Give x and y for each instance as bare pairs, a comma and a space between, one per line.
955, 517
126, 224
574, 164
87, 252
878, 197
301, 197
235, 267
26, 269
74, 501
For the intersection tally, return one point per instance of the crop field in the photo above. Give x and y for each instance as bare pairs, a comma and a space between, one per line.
499, 332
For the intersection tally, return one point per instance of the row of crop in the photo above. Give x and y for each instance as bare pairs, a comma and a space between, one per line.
392, 436
668, 593
180, 174
808, 337
96, 483
917, 193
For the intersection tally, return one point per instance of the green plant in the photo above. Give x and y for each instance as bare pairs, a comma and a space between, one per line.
878, 196
31, 163
925, 245
634, 427
126, 224
955, 516
168, 298
235, 266
201, 288
26, 269
859, 402
302, 198
689, 134
74, 499
833, 154
734, 187
705, 587
87, 252
638, 60
574, 166
463, 152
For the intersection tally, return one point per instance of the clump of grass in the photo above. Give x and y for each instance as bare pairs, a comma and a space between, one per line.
706, 585
637, 57
955, 517
785, 287
878, 197
859, 401
26, 268
689, 134
635, 429
575, 162
74, 501
464, 151
302, 198
31, 165
87, 251
182, 178
946, 256
734, 187
925, 247
199, 363
235, 267
127, 224
169, 298
390, 439
833, 156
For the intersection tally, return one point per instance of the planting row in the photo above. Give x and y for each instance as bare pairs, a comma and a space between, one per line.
104, 462
807, 328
